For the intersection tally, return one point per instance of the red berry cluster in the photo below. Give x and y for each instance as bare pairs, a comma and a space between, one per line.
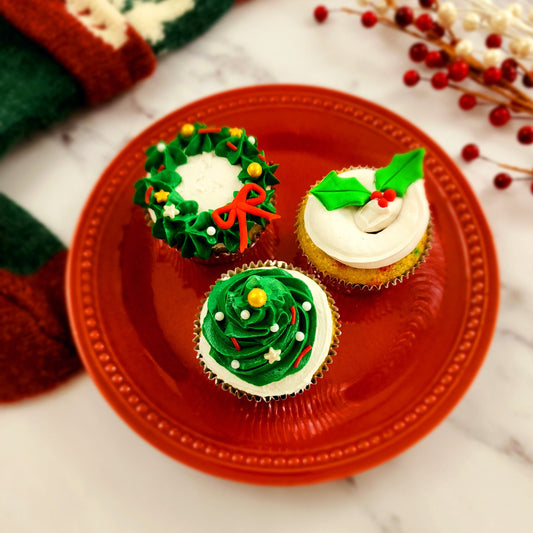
435, 49
384, 198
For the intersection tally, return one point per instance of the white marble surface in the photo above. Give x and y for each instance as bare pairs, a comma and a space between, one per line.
69, 464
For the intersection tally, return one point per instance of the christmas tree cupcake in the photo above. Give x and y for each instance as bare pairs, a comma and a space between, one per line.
367, 227
266, 332
209, 192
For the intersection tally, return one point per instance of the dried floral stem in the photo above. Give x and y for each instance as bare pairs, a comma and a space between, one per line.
517, 99
508, 167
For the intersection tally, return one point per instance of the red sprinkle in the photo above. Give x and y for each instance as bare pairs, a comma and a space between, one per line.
231, 146
300, 357
293, 315
162, 167
148, 194
262, 157
209, 130
235, 343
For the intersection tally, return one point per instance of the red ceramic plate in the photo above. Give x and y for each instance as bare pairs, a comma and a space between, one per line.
406, 356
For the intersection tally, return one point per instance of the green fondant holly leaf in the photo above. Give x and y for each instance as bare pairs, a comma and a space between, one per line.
334, 192
403, 170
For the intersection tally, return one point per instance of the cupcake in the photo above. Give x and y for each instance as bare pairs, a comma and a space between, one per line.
367, 227
266, 331
209, 192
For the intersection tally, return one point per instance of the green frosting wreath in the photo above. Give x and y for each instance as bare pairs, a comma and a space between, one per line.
196, 233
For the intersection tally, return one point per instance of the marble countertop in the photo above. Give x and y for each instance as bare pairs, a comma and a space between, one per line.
68, 463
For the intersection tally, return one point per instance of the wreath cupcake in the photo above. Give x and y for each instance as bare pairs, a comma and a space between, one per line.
209, 192
367, 227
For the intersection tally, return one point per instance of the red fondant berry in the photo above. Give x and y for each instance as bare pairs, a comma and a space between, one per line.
426, 3
418, 52
389, 195
493, 40
424, 22
502, 180
525, 135
458, 70
434, 59
499, 116
403, 16
527, 79
411, 78
492, 75
467, 102
369, 19
382, 202
376, 195
509, 73
439, 80
321, 13
470, 152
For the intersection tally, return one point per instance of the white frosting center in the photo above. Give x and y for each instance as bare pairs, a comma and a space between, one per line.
338, 235
208, 179
297, 381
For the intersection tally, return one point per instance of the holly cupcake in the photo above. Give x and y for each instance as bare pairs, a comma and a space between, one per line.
209, 192
367, 227
267, 331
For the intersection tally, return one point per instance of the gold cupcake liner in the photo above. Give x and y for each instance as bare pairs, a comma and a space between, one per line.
340, 285
319, 372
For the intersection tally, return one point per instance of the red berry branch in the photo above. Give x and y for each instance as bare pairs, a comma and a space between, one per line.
491, 71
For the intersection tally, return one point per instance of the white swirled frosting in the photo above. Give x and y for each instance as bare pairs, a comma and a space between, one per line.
337, 234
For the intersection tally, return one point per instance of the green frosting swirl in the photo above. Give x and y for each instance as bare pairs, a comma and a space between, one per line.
187, 231
254, 335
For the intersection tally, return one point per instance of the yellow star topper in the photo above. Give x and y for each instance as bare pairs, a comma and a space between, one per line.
161, 196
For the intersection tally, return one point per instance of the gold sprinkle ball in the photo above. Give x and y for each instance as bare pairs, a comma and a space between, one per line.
187, 129
235, 132
254, 170
257, 297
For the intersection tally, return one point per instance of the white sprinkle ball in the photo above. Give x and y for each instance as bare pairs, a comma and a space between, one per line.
299, 336
211, 230
251, 139
306, 306
161, 147
219, 316
274, 328
235, 364
245, 314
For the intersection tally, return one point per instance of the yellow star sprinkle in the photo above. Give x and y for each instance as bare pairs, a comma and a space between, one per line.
235, 132
161, 196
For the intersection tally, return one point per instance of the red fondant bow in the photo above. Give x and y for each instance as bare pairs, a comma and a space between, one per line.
238, 209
